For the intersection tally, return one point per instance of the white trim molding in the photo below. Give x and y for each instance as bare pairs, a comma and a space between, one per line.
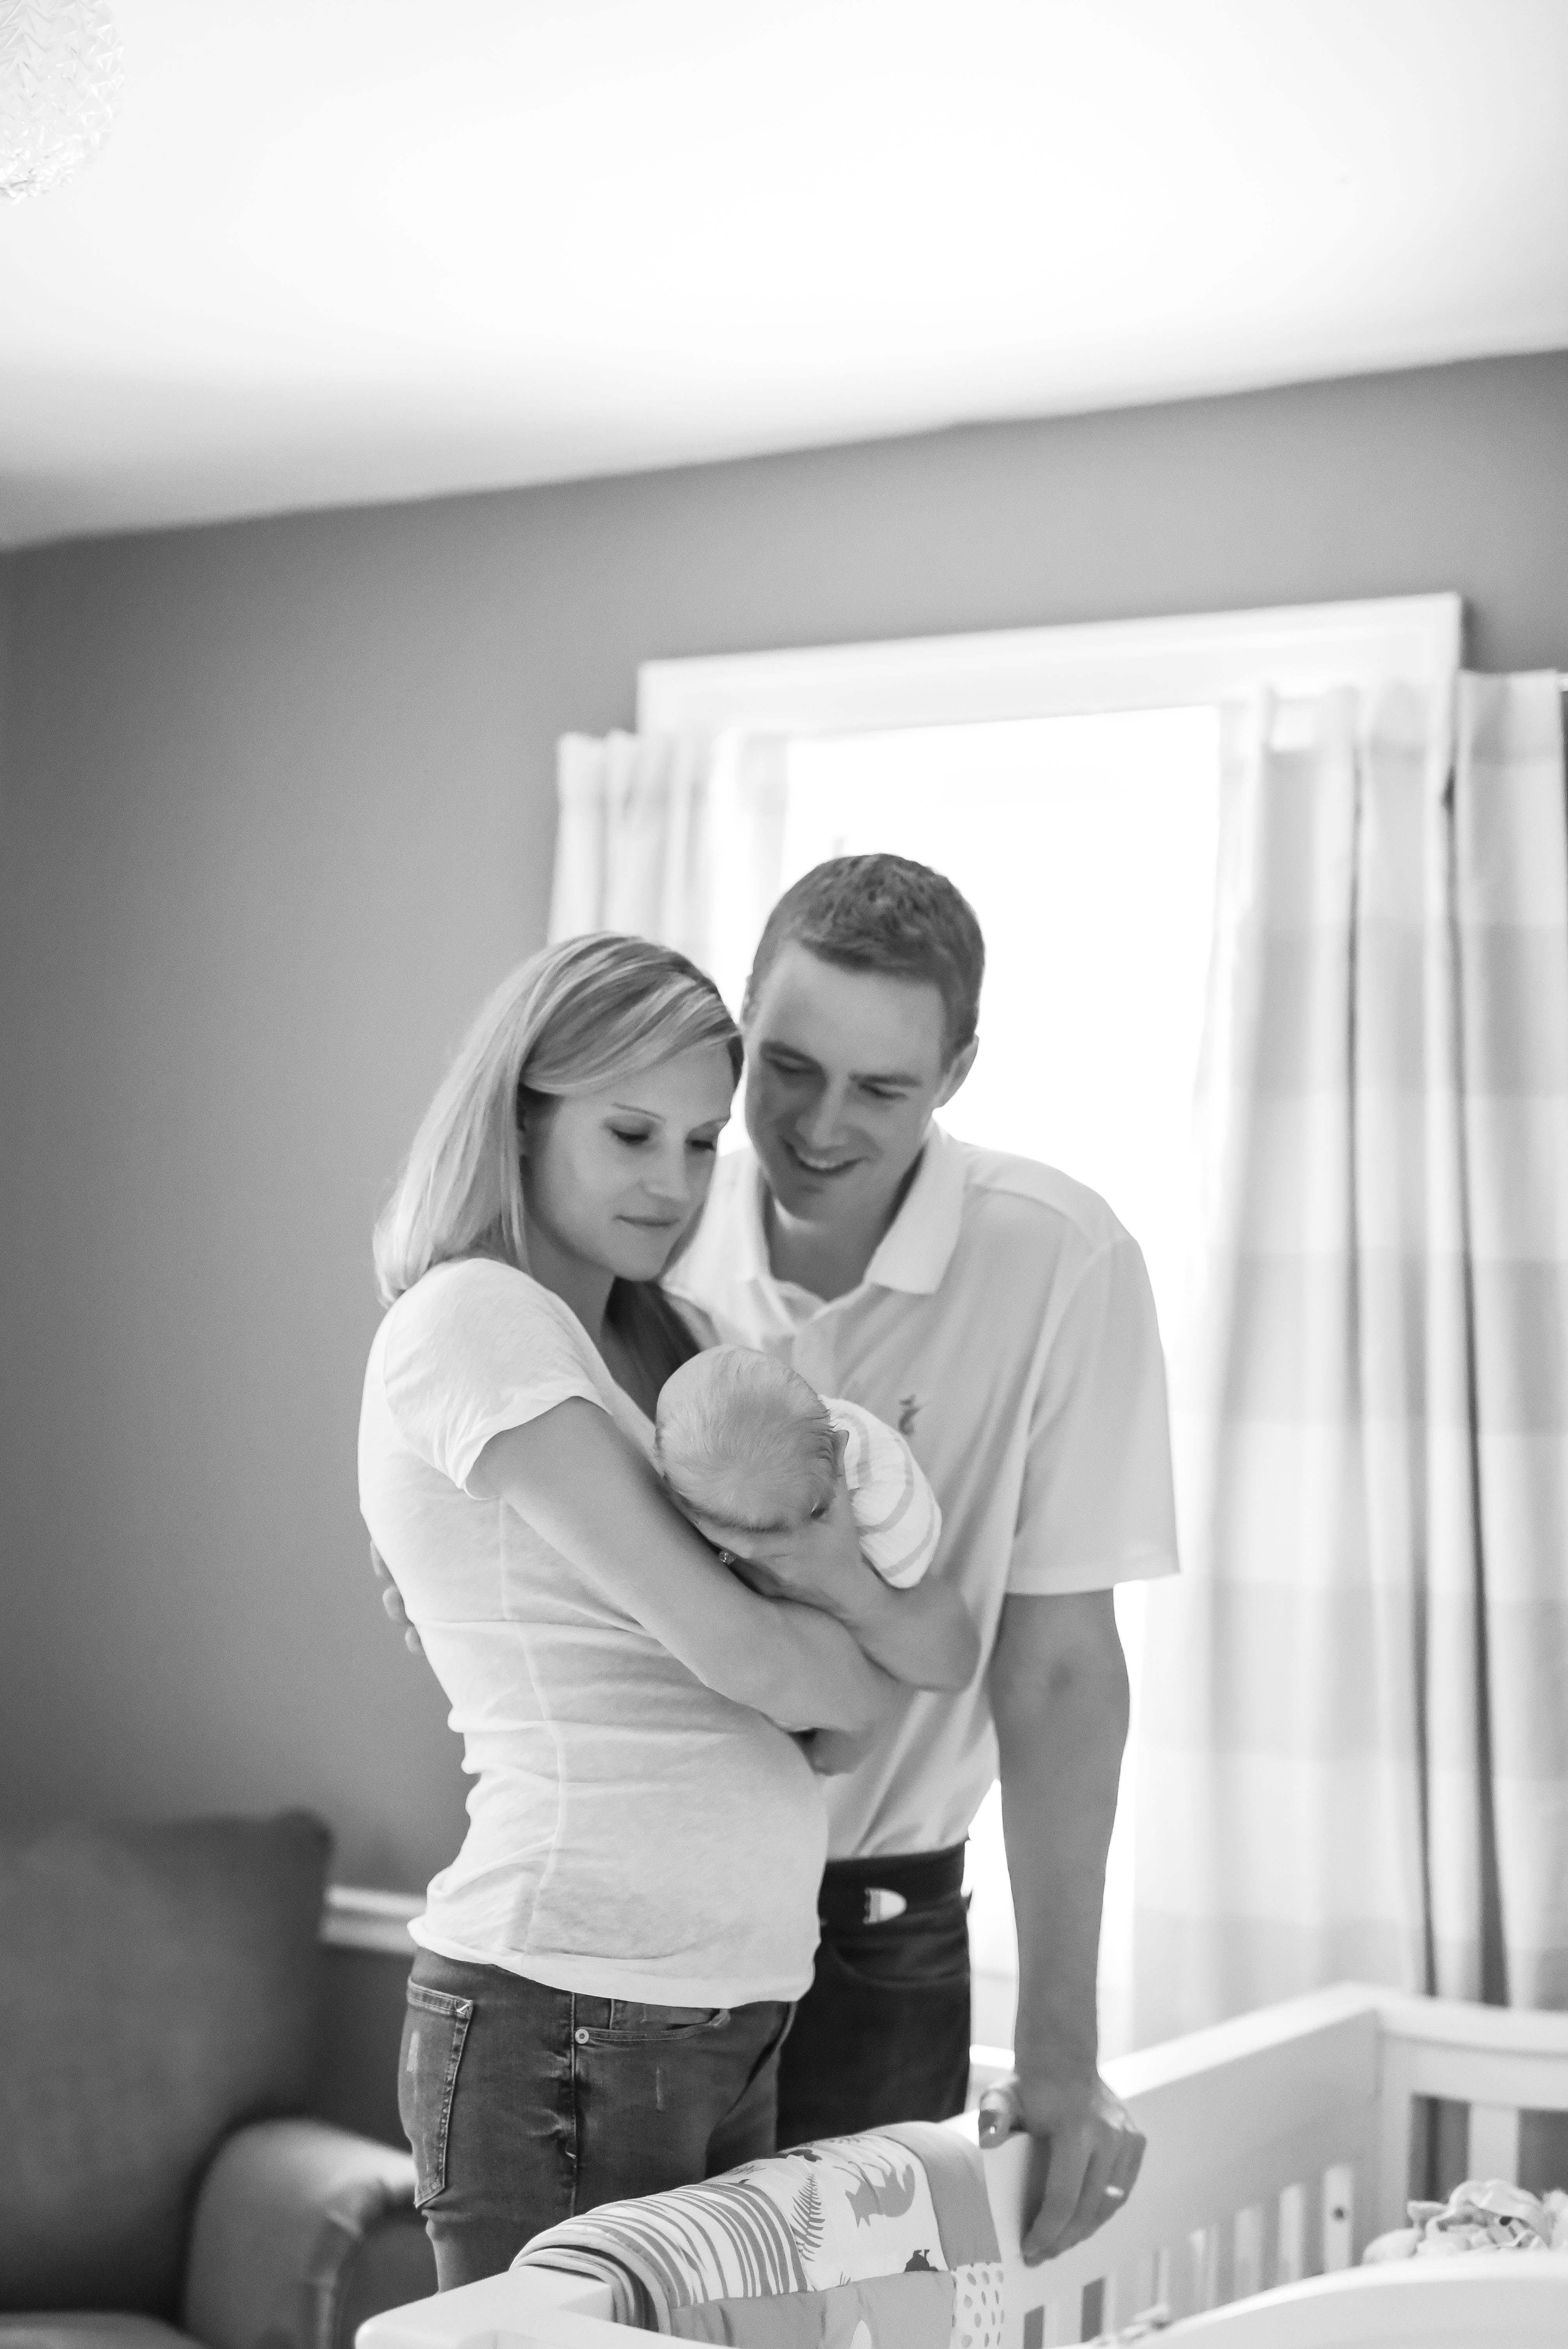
1160, 663
356, 1918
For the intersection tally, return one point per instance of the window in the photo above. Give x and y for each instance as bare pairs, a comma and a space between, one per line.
1068, 780
1085, 845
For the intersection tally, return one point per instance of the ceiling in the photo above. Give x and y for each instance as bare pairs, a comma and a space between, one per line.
344, 251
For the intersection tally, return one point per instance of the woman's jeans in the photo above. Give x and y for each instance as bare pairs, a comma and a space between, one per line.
525, 2106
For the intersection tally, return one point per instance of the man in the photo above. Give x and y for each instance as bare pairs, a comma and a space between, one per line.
998, 1315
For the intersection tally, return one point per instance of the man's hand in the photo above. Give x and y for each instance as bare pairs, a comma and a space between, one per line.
392, 1599
1084, 2159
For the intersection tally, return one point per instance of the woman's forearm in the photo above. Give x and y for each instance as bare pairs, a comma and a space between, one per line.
808, 1671
574, 1476
924, 1637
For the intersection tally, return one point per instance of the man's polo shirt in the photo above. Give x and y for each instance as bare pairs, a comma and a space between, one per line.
1007, 1328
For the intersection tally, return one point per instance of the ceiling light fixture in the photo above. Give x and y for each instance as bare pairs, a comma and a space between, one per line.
60, 71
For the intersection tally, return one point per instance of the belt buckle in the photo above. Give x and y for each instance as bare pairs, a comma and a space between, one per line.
882, 1906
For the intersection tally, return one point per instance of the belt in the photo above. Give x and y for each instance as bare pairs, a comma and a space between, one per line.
874, 1891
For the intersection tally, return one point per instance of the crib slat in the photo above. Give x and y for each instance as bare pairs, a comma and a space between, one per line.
1391, 2178
1290, 2262
1179, 2280
1224, 2262
1311, 2236
1137, 2287
1268, 2245
1247, 2253
1494, 2142
1129, 2288
1338, 2216
1062, 2324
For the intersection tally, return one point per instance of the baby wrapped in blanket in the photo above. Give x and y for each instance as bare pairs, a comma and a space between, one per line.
747, 1447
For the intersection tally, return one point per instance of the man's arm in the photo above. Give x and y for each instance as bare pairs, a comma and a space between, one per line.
1059, 1697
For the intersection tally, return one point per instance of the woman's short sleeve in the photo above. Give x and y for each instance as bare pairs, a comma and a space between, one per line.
473, 1348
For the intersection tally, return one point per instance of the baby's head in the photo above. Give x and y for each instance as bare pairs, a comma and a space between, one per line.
744, 1444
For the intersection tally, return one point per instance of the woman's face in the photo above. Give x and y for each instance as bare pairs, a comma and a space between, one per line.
612, 1177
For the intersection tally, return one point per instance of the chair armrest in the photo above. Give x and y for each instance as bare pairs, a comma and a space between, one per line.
302, 2231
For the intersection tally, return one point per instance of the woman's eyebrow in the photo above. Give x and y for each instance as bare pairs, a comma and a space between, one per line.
635, 1109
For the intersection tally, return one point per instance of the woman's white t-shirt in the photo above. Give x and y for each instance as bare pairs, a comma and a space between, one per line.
632, 1834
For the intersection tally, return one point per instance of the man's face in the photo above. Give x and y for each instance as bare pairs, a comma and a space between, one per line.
843, 1070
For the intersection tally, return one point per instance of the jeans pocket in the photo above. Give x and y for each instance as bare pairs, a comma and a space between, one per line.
635, 2024
433, 2029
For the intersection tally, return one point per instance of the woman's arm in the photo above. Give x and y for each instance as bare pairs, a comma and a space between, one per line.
579, 1484
922, 1636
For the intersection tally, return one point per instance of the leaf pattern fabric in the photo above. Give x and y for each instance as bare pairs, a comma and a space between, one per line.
878, 2242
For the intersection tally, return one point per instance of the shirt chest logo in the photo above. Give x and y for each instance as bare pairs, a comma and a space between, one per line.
909, 1408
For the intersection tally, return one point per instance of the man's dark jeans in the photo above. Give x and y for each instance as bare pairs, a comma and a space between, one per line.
525, 2106
883, 2035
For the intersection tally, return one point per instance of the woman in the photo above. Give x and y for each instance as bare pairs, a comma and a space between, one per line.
607, 1968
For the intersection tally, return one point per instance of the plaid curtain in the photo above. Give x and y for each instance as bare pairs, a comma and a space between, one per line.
1353, 1745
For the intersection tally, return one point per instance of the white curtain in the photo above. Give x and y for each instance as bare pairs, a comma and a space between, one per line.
674, 837
1353, 1745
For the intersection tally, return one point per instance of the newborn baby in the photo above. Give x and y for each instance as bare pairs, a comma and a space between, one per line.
745, 1444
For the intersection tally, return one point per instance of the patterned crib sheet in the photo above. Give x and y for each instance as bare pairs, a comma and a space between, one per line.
879, 2241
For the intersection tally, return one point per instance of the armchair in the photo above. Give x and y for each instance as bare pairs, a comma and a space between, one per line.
157, 2015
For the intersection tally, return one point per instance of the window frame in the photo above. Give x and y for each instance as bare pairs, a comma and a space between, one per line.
1049, 672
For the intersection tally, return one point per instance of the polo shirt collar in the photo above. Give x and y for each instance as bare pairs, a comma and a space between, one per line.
913, 1253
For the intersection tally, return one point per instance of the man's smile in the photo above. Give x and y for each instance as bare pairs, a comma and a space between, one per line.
810, 1163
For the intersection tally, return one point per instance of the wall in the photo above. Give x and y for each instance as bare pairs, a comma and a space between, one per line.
278, 810
8, 564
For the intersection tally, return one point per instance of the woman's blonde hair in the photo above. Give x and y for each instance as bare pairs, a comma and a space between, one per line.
576, 1016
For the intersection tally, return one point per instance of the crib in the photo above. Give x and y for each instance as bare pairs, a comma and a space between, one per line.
1279, 2145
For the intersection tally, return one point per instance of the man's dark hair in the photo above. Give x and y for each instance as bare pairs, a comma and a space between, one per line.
886, 914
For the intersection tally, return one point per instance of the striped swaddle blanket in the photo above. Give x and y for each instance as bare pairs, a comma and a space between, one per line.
879, 2241
896, 1513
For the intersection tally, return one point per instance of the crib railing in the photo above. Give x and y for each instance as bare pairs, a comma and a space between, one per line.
1278, 2145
